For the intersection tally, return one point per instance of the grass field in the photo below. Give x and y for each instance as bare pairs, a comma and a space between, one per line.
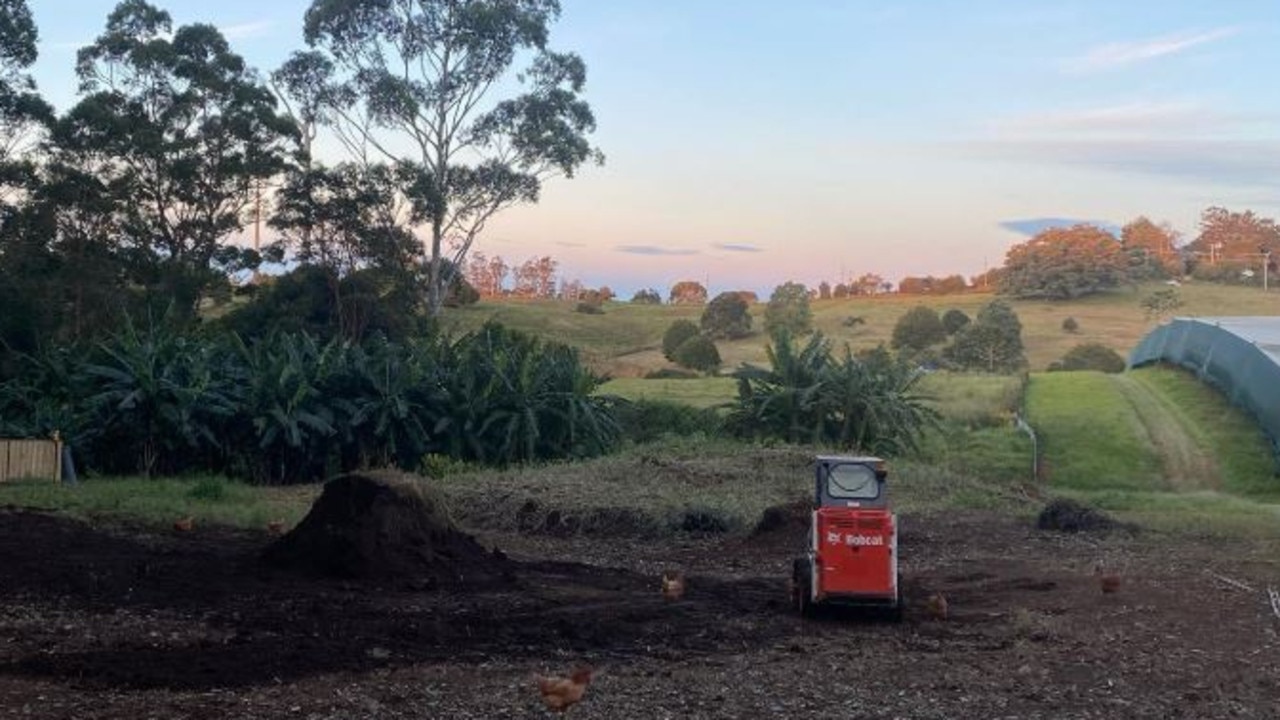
626, 340
1154, 445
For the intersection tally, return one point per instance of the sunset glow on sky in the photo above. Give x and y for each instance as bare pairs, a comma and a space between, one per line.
752, 143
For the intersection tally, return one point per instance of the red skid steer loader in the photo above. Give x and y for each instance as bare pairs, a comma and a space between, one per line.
852, 554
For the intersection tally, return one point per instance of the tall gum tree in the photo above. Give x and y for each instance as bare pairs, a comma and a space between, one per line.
179, 131
411, 82
22, 110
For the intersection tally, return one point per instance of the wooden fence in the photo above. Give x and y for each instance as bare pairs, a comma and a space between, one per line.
30, 459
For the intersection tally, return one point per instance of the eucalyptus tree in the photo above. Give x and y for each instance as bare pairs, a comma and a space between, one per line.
343, 220
416, 83
179, 130
22, 110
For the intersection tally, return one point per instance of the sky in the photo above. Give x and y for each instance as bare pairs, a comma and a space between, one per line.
753, 143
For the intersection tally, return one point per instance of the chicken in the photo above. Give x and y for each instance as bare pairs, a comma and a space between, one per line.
186, 524
1108, 580
937, 606
559, 694
672, 585
275, 527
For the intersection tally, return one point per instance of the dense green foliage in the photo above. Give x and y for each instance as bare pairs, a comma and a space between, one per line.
675, 336
865, 402
955, 319
788, 310
726, 317
290, 408
643, 421
918, 329
698, 353
1065, 263
647, 296
991, 343
1091, 356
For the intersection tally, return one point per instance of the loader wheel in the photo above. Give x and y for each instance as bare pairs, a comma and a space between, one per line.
897, 610
802, 588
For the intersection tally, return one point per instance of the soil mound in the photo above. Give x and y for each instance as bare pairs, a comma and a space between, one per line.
385, 526
1070, 516
783, 519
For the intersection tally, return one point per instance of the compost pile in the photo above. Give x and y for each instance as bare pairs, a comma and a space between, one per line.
386, 527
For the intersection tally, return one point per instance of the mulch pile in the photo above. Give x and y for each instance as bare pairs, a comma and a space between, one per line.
386, 526
1070, 516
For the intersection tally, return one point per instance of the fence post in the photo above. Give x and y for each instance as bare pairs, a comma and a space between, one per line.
1025, 427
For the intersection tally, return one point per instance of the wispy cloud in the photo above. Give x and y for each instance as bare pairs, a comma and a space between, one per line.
1120, 54
654, 250
738, 248
1238, 163
566, 243
1125, 118
245, 31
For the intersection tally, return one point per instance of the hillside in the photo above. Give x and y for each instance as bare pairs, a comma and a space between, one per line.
625, 341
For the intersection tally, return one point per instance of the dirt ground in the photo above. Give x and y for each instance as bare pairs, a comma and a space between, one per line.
123, 623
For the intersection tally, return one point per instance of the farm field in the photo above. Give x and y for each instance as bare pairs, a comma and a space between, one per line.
203, 631
119, 615
626, 341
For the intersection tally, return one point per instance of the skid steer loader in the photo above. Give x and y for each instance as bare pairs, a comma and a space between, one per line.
851, 558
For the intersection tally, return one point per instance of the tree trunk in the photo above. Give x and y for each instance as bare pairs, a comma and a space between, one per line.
435, 274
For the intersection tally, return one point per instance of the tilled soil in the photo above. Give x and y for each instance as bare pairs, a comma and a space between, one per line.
117, 622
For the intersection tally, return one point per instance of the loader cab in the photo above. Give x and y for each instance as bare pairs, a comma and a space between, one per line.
851, 557
850, 482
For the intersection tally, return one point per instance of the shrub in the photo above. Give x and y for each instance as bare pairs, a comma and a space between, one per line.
648, 296
788, 310
991, 343
698, 353
1070, 325
589, 308
643, 421
953, 320
916, 330
865, 402
726, 317
1091, 356
675, 336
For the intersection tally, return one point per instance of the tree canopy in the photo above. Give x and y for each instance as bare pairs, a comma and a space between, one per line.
788, 310
726, 317
412, 83
991, 343
177, 131
1064, 263
1152, 249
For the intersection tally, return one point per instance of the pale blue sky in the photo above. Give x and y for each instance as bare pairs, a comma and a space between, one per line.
750, 143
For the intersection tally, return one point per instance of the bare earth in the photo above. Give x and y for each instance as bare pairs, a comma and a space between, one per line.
122, 623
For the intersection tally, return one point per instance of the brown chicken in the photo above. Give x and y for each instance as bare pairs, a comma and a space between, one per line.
937, 606
1107, 580
186, 524
672, 585
559, 694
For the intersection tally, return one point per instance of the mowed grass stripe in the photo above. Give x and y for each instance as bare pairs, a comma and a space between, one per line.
1241, 450
1087, 434
1187, 465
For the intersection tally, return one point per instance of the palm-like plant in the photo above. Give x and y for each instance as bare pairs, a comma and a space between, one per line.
157, 392
286, 405
866, 402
